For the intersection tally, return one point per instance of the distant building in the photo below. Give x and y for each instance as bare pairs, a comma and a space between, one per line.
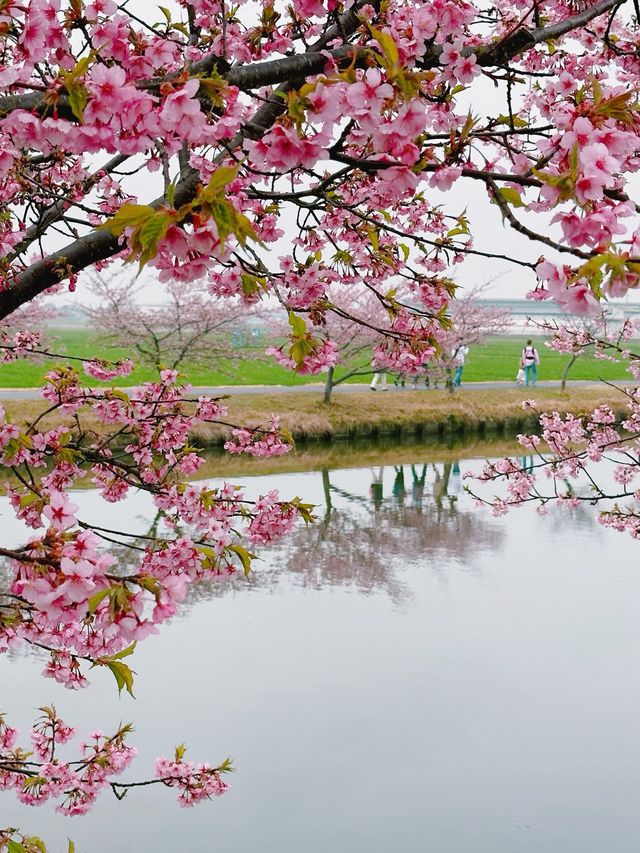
68, 317
546, 310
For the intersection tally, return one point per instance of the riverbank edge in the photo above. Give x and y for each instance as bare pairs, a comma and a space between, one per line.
428, 414
406, 414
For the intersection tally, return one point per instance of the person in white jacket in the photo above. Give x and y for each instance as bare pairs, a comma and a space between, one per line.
459, 357
529, 363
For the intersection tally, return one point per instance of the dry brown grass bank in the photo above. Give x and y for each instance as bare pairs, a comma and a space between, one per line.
435, 413
341, 454
358, 414
391, 428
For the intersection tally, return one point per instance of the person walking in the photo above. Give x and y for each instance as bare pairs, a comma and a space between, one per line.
379, 377
425, 376
529, 362
459, 357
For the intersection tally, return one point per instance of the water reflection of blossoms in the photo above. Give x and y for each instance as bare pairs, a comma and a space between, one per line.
363, 538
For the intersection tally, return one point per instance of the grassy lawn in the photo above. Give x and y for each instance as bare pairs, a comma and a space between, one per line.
496, 360
251, 367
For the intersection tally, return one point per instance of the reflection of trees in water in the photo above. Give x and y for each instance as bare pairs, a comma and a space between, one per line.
419, 522
410, 514
363, 541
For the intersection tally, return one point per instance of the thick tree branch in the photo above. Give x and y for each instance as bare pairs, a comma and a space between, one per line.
100, 244
290, 69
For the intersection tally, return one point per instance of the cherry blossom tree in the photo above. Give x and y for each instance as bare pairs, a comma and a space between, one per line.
353, 326
194, 139
574, 336
190, 326
21, 330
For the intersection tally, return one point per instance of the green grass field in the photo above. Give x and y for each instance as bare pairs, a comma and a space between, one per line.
496, 360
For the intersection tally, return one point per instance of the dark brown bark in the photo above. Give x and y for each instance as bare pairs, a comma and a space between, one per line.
301, 65
100, 244
567, 368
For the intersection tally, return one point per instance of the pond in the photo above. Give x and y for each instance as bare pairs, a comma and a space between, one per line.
407, 674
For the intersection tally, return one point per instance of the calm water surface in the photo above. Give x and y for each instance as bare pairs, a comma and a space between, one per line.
409, 674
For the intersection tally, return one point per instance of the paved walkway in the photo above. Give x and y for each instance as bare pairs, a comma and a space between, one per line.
318, 388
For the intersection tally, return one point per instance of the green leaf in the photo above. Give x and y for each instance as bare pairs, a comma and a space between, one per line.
222, 176
230, 221
124, 653
252, 284
305, 510
28, 500
121, 672
97, 598
80, 68
298, 325
123, 676
129, 216
574, 161
245, 557
514, 119
24, 440
300, 349
388, 47
151, 584
78, 98
10, 449
150, 235
15, 847
75, 88
65, 454
32, 782
511, 196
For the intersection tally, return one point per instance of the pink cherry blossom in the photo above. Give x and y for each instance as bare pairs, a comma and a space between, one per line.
60, 511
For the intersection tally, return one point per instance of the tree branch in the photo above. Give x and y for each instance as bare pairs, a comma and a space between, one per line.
100, 245
301, 65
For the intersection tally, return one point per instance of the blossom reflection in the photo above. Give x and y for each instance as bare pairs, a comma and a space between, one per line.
412, 511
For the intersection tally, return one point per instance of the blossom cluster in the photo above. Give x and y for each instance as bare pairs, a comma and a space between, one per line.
74, 785
67, 594
568, 448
